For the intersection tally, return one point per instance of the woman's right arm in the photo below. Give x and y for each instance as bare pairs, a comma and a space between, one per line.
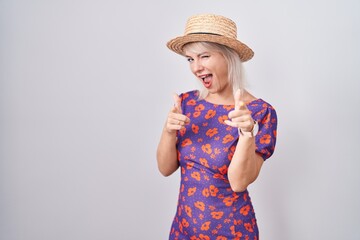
166, 152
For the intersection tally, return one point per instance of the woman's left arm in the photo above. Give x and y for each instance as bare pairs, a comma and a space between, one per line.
245, 165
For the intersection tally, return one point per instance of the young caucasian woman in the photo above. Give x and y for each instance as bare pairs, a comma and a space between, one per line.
219, 136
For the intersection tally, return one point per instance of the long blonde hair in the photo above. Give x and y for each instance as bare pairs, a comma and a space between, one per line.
236, 75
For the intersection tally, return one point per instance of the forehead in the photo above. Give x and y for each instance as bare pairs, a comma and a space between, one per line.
199, 47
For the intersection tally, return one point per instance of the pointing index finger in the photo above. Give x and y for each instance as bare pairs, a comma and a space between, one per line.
237, 98
177, 102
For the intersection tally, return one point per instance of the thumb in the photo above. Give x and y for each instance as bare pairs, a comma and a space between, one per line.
177, 103
239, 104
237, 98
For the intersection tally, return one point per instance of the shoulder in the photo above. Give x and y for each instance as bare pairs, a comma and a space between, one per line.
189, 96
262, 110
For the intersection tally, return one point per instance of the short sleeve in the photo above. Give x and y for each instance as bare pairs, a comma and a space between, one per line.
265, 139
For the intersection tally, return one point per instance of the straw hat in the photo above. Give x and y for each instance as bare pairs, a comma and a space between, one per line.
211, 28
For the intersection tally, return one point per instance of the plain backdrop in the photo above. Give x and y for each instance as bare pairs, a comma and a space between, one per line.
85, 87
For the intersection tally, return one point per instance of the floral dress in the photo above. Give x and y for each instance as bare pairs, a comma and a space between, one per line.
207, 207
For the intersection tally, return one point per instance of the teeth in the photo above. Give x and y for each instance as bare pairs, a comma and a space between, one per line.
205, 76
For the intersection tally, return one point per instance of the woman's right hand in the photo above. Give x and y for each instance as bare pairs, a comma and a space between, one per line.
176, 120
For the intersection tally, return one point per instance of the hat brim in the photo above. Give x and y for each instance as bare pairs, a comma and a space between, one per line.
245, 53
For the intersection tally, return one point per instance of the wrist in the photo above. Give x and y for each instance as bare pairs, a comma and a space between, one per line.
251, 133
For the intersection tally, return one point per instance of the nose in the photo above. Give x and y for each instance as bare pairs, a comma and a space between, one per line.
197, 67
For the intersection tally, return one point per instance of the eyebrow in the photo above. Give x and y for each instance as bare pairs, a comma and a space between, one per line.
198, 55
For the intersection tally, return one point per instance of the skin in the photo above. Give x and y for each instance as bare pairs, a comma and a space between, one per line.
246, 164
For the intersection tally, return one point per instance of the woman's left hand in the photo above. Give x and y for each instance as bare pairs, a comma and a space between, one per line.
240, 117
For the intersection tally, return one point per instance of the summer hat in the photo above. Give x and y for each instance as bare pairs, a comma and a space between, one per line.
211, 28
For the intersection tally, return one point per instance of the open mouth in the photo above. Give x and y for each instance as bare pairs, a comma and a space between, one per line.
207, 79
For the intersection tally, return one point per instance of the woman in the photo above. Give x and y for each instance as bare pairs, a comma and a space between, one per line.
219, 136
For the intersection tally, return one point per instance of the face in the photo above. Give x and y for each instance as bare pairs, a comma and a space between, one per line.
211, 68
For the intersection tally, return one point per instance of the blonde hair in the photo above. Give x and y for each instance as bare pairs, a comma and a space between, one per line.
236, 74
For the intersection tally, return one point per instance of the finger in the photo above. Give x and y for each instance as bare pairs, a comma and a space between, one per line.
237, 97
237, 113
242, 106
178, 116
243, 118
230, 123
239, 104
172, 127
176, 122
177, 102
173, 109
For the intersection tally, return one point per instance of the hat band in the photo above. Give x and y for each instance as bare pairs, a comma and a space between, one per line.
205, 33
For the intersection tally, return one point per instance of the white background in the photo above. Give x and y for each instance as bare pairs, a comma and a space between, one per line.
85, 87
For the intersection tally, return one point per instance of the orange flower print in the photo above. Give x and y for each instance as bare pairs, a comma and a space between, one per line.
223, 169
205, 192
213, 190
191, 102
180, 227
228, 107
245, 210
227, 138
231, 154
196, 114
199, 108
200, 205
265, 139
245, 197
217, 151
188, 210
221, 238
189, 165
206, 148
193, 238
212, 208
191, 191
205, 226
204, 162
196, 175
219, 176
266, 119
186, 142
228, 201
195, 128
211, 132
222, 118
185, 223
217, 215
248, 227
238, 235
211, 113
182, 131
204, 237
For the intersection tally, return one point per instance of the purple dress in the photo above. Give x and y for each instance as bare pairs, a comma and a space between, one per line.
207, 207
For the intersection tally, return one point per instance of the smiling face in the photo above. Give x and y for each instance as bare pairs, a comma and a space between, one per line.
211, 68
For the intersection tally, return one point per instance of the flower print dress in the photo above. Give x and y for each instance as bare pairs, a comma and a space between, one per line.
207, 207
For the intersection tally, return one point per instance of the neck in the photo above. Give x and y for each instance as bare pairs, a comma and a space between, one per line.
223, 98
